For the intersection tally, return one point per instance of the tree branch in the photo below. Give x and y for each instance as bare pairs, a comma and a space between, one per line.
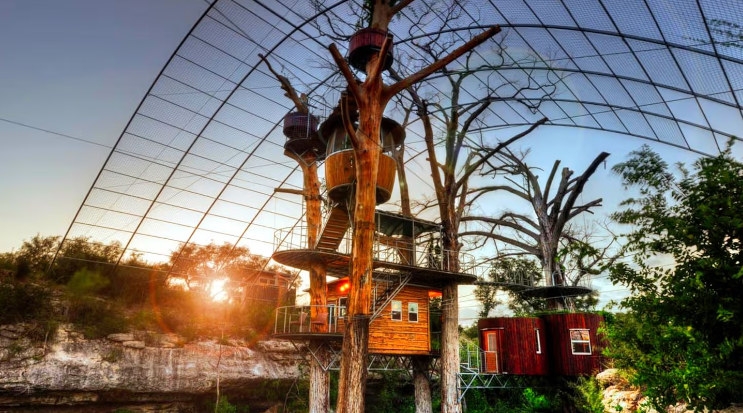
291, 93
504, 223
353, 87
495, 150
423, 73
399, 6
515, 243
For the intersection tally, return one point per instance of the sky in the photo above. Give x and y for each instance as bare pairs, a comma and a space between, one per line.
80, 68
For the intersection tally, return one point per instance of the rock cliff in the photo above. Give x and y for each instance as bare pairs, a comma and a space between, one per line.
146, 371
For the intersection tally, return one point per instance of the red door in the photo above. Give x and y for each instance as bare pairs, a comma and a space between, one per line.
493, 343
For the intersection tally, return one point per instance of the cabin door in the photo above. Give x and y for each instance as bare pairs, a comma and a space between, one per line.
493, 344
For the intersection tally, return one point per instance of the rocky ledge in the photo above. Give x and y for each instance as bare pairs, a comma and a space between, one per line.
141, 368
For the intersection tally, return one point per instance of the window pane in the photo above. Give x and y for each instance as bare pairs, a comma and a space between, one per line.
580, 347
413, 317
397, 310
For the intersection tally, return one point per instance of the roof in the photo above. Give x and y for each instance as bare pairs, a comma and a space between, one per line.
200, 157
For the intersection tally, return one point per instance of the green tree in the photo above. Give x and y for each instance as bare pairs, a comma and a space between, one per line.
682, 338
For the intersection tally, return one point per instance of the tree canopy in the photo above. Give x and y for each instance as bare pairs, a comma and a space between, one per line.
682, 338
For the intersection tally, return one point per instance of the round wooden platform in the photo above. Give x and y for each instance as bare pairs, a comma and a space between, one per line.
505, 285
555, 291
337, 265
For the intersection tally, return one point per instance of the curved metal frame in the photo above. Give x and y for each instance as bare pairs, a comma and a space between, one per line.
216, 14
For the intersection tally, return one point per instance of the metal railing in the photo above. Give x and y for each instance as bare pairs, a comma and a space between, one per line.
309, 319
473, 359
385, 249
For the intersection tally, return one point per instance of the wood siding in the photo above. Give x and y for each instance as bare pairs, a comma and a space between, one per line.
518, 345
396, 337
562, 360
340, 173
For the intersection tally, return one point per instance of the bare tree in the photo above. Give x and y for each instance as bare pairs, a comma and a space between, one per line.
319, 377
451, 177
371, 96
541, 234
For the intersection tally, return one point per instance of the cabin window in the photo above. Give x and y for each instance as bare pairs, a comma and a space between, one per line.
263, 281
397, 311
413, 312
342, 307
580, 341
539, 342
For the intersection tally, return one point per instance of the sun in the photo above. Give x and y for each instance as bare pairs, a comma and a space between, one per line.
217, 290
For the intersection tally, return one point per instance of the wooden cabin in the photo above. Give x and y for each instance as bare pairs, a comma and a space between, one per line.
514, 345
340, 171
410, 271
557, 344
574, 343
402, 326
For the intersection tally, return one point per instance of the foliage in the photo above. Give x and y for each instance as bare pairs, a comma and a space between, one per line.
683, 336
85, 281
521, 271
588, 395
526, 401
28, 303
224, 406
95, 317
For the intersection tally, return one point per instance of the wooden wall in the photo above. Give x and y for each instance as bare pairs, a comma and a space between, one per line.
396, 337
340, 173
518, 352
562, 360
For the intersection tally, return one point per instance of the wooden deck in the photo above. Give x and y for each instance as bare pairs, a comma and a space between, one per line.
337, 265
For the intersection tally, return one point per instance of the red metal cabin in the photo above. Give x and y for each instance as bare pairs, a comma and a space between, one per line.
557, 344
574, 344
514, 345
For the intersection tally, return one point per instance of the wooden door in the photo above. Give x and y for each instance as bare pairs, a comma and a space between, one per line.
493, 343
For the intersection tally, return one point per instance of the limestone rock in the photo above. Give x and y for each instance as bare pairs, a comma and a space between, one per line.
121, 337
134, 344
119, 371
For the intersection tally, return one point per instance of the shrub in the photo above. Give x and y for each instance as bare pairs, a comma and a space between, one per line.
588, 395
85, 281
96, 318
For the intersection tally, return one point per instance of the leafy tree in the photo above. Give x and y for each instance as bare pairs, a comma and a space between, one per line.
683, 336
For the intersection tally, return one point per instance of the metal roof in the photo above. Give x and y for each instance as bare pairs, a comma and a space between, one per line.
202, 154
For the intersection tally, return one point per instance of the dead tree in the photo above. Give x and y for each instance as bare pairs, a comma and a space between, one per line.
371, 96
451, 177
541, 234
307, 160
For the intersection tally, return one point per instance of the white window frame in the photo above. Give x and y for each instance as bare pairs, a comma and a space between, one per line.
539, 341
416, 312
572, 341
392, 310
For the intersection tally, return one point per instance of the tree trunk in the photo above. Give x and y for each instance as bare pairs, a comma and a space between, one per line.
421, 385
319, 381
450, 349
356, 339
319, 399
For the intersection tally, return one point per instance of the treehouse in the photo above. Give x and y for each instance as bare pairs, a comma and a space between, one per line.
410, 269
575, 345
401, 323
366, 43
563, 344
301, 134
340, 171
513, 345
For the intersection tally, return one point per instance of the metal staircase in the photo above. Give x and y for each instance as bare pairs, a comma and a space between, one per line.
334, 230
395, 283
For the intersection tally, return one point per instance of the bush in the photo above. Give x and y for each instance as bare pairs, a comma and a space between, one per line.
85, 281
96, 318
588, 395
31, 304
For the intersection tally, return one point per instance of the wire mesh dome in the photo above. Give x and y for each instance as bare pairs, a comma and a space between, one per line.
200, 159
